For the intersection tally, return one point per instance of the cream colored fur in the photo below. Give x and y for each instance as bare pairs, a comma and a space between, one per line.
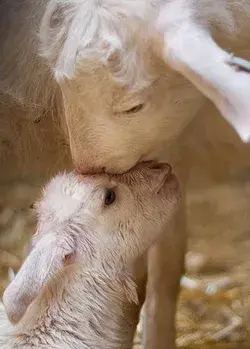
113, 83
80, 286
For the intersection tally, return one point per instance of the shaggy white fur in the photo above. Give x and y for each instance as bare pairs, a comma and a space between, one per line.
79, 287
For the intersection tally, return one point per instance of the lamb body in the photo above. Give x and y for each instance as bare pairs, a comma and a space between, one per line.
79, 287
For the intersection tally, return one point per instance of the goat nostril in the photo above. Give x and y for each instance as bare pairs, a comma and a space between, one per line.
156, 166
160, 166
169, 168
81, 170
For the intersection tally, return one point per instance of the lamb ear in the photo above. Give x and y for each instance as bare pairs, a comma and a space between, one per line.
44, 261
190, 50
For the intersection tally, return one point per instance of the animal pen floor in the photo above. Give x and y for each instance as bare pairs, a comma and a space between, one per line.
219, 248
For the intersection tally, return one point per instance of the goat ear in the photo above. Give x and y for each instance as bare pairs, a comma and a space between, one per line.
44, 261
190, 50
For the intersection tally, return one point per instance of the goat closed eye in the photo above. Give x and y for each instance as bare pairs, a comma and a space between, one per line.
135, 109
110, 197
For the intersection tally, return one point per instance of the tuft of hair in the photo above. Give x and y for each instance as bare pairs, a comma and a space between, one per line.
62, 198
79, 33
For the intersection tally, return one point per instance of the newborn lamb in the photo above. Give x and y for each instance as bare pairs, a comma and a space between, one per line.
80, 286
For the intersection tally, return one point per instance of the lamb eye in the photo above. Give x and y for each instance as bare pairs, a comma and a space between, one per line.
134, 109
109, 197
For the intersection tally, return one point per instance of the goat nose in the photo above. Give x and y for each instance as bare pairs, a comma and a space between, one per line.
85, 169
160, 166
154, 165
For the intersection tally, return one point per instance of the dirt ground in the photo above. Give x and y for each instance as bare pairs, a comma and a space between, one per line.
216, 312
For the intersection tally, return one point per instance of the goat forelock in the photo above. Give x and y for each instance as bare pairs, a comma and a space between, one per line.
77, 32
